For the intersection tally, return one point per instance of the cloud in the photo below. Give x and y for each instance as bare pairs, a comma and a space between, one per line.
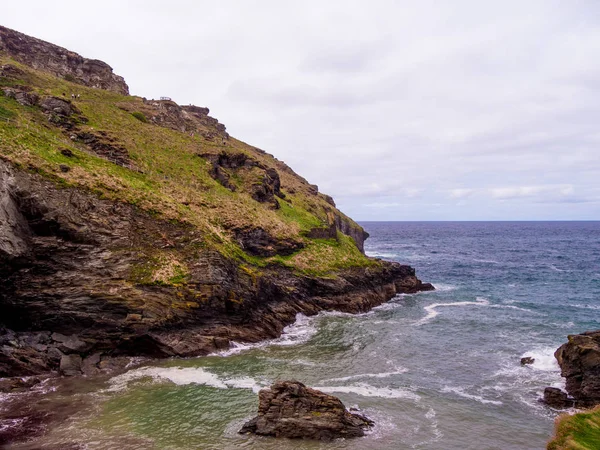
505, 193
420, 105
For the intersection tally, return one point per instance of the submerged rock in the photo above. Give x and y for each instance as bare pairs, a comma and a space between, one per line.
579, 360
292, 410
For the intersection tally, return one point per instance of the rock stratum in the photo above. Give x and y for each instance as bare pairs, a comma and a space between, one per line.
292, 410
137, 227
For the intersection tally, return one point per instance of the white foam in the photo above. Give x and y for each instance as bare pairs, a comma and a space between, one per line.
377, 254
443, 287
367, 390
586, 306
368, 375
556, 269
181, 376
432, 312
298, 332
544, 359
461, 393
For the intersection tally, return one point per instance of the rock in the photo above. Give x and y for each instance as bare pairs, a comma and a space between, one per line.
579, 360
527, 360
58, 61
69, 344
66, 152
57, 105
70, 365
90, 364
292, 410
259, 242
556, 398
64, 168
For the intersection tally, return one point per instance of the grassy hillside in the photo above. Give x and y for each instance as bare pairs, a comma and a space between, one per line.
167, 173
577, 432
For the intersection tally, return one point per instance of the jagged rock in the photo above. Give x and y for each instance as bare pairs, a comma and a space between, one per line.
527, 360
59, 61
70, 365
329, 232
69, 344
58, 106
292, 410
556, 398
22, 97
89, 365
258, 242
579, 360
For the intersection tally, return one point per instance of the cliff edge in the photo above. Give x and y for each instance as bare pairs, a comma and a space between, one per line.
132, 226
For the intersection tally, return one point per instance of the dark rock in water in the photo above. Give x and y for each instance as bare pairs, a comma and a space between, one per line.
292, 410
579, 360
527, 360
557, 398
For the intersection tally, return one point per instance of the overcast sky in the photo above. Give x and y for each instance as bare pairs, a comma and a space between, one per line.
401, 110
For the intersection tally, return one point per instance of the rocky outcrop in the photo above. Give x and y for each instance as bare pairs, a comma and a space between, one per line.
579, 361
557, 398
71, 270
59, 61
290, 409
258, 242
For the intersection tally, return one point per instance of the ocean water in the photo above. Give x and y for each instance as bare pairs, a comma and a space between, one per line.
435, 370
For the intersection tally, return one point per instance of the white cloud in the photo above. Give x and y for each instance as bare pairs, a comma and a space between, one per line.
417, 104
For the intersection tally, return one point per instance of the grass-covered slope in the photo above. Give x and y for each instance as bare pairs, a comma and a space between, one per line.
577, 432
164, 160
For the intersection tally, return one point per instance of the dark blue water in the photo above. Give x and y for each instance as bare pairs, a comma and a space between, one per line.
435, 370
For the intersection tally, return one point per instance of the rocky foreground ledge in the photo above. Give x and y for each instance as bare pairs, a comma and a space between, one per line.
292, 410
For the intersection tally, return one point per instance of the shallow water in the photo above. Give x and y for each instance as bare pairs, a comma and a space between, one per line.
435, 370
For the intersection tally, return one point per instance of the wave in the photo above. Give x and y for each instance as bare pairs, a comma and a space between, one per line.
299, 332
461, 393
544, 359
586, 306
368, 375
181, 376
431, 309
443, 287
377, 254
366, 390
517, 308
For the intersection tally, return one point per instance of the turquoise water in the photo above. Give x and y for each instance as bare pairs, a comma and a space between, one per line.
435, 370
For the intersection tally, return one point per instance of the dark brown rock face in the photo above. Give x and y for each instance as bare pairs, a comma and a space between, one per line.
556, 398
292, 410
67, 269
59, 61
579, 360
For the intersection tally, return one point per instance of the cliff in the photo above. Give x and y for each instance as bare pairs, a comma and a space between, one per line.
131, 226
61, 62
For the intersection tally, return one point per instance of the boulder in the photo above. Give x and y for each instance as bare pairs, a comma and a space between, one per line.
579, 360
70, 365
292, 410
557, 398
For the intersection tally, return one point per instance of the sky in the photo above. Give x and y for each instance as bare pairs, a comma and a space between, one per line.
401, 110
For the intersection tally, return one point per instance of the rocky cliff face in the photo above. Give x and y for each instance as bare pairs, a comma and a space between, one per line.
70, 299
153, 232
61, 62
579, 360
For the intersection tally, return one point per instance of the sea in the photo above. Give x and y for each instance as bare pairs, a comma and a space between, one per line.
434, 370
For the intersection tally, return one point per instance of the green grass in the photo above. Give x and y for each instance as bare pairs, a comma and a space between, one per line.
172, 182
577, 432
